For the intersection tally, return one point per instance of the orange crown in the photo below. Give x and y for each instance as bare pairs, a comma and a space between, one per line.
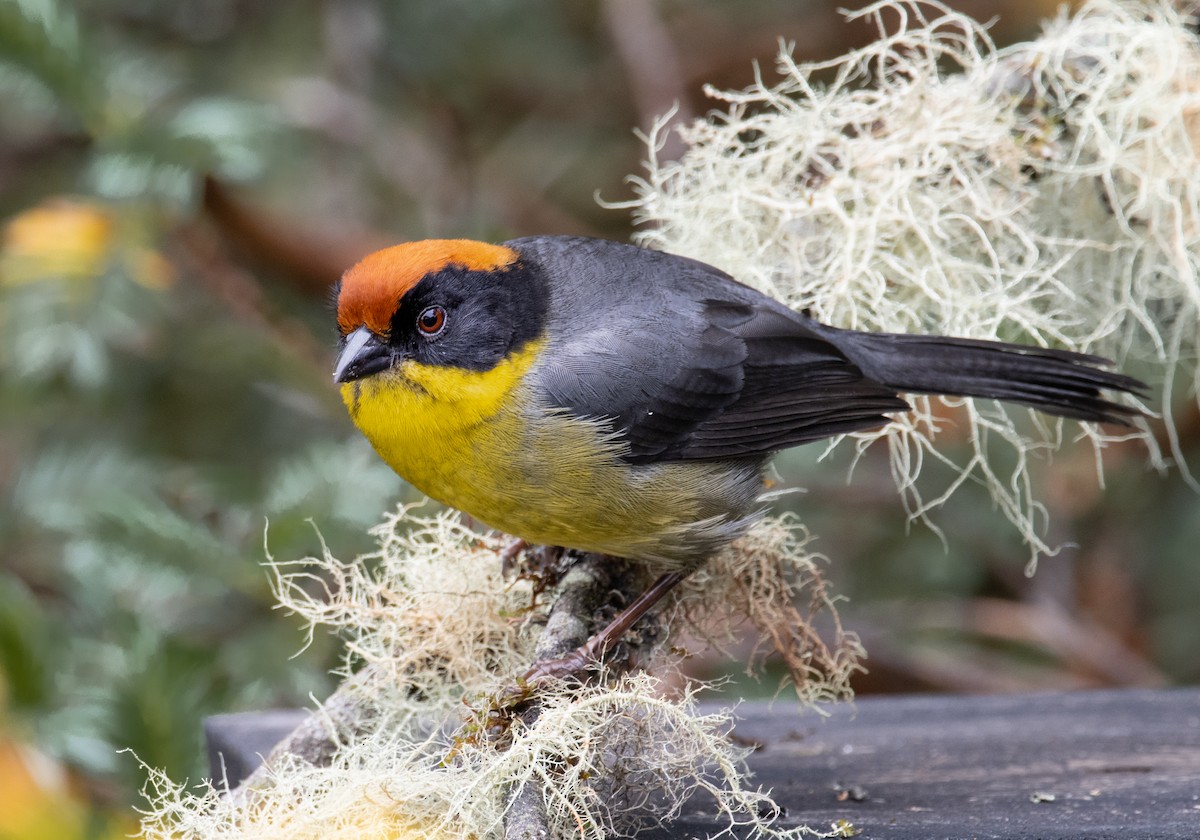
372, 289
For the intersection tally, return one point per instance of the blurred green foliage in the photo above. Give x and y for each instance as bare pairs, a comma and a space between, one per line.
166, 404
151, 436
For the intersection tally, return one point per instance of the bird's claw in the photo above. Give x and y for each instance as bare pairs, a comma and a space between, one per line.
508, 557
542, 673
571, 666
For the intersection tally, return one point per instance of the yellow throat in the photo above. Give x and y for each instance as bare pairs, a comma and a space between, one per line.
432, 424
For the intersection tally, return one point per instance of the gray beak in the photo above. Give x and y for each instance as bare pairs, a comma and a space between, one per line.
360, 354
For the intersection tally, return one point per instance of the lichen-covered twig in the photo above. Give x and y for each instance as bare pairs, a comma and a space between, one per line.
584, 591
587, 592
583, 594
438, 627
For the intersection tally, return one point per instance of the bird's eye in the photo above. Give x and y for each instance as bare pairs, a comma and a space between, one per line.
431, 321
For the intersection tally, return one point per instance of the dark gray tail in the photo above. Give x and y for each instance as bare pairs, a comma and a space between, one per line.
1054, 381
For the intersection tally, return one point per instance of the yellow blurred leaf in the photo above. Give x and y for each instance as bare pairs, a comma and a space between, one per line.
58, 238
74, 239
37, 803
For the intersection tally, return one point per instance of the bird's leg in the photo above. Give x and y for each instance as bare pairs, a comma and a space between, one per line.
600, 643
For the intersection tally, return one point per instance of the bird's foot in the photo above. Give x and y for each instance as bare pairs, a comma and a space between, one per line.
508, 557
573, 666
543, 564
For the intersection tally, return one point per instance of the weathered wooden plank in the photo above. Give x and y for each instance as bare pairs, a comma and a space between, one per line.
238, 743
1103, 764
1094, 765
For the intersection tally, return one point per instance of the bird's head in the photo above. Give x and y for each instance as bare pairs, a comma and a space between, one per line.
442, 303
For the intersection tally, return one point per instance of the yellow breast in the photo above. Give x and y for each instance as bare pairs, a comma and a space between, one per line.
481, 442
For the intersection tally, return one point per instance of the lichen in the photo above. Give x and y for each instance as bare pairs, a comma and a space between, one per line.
434, 635
1047, 193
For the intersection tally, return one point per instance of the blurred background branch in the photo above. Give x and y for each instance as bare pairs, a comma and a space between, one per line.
180, 184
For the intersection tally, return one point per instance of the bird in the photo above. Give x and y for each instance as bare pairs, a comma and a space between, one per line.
599, 396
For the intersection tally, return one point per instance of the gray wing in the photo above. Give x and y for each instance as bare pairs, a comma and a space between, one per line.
686, 363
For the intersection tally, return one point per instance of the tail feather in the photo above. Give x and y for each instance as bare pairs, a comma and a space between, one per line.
1057, 382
